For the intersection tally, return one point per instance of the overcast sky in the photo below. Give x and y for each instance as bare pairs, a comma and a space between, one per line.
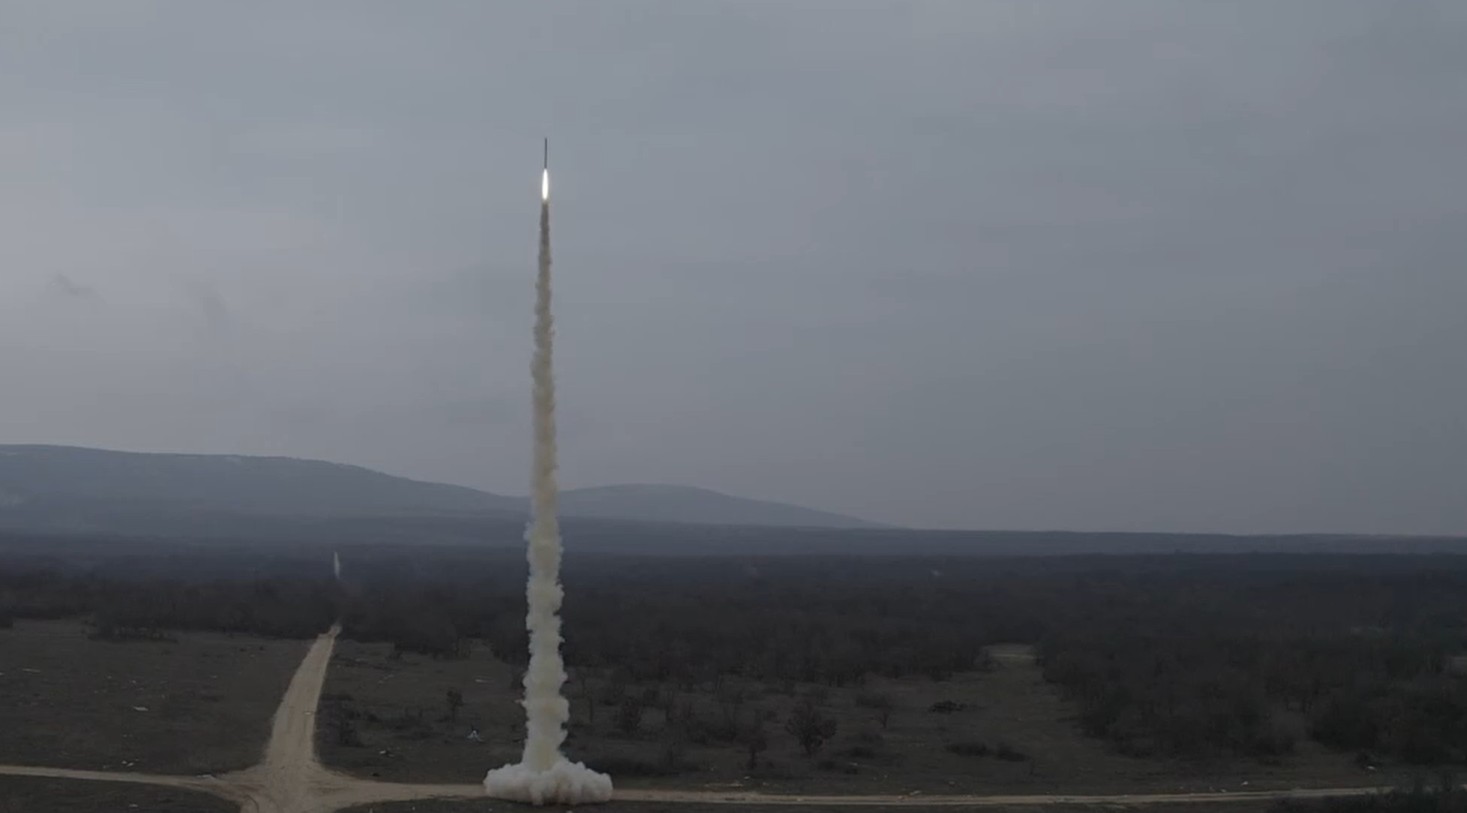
1111, 265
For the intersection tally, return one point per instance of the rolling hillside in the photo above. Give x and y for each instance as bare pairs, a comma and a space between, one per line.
71, 488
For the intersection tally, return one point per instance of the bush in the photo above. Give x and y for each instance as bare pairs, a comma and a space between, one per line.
879, 702
769, 769
1274, 741
968, 749
1348, 722
409, 726
674, 751
705, 732
621, 765
346, 733
1008, 753
849, 768
614, 692
629, 715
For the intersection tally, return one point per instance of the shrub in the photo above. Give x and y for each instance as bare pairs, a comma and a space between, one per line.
1008, 753
346, 733
879, 702
838, 767
968, 749
633, 766
629, 715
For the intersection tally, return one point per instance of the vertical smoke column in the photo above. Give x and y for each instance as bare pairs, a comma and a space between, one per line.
543, 775
546, 711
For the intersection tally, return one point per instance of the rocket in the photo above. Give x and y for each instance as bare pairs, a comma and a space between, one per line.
545, 175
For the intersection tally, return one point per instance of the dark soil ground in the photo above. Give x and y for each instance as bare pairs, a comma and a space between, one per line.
24, 794
199, 704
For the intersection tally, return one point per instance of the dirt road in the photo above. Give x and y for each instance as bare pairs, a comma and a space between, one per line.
185, 782
290, 779
918, 800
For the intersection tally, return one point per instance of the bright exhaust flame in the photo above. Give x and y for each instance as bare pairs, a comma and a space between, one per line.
545, 186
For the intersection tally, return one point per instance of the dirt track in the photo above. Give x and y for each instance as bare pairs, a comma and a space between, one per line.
290, 779
920, 801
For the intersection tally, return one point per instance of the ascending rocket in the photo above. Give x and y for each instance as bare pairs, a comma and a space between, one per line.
545, 175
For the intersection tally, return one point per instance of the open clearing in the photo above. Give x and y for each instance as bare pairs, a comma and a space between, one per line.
200, 704
26, 794
400, 717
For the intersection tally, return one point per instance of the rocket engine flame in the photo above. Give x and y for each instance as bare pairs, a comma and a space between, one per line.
545, 186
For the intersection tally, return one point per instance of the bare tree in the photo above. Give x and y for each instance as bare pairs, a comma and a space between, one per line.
881, 703
629, 715
809, 726
753, 738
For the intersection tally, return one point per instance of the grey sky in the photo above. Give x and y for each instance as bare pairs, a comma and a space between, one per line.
1120, 265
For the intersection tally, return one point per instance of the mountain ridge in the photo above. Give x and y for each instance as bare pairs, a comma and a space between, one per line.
45, 479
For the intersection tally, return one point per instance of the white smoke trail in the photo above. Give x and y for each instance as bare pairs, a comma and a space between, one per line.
543, 775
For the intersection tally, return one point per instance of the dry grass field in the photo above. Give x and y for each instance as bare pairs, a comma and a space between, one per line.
198, 704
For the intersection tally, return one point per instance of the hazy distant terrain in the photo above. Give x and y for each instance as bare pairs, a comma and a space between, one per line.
75, 489
251, 485
92, 498
658, 503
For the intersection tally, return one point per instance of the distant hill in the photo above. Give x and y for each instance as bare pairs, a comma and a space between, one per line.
249, 485
55, 497
685, 504
72, 488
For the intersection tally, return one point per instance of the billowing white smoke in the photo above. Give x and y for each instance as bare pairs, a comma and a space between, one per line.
543, 775
565, 782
